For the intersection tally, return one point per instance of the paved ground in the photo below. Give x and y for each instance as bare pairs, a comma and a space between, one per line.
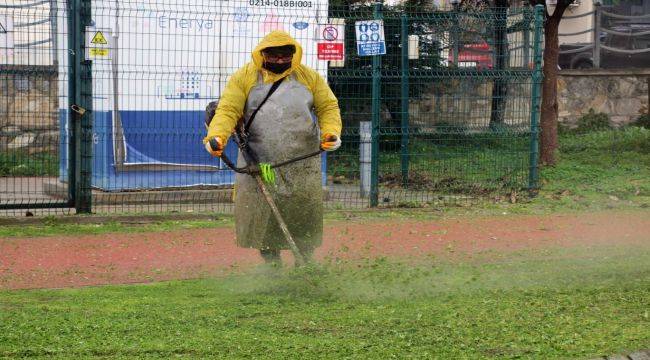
24, 189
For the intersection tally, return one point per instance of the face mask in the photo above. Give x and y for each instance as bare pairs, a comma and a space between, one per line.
277, 68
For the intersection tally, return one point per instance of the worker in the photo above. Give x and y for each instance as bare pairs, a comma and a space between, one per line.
294, 112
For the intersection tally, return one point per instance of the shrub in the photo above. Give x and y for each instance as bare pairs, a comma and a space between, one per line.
643, 121
592, 121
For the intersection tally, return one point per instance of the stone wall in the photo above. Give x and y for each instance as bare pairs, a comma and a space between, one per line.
28, 109
467, 103
620, 94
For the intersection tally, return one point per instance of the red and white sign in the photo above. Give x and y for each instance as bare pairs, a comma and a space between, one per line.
331, 42
331, 51
330, 33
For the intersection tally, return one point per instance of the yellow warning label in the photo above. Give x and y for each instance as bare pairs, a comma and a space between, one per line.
99, 39
98, 52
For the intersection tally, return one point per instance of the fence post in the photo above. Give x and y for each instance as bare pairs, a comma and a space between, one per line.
533, 175
404, 146
80, 102
84, 203
74, 48
596, 36
376, 110
365, 156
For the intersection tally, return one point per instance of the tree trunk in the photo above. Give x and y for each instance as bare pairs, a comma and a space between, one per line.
548, 123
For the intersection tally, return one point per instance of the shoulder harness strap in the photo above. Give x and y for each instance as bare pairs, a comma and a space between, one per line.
274, 87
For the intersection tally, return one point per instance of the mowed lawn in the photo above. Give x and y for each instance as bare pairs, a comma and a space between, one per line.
579, 302
560, 303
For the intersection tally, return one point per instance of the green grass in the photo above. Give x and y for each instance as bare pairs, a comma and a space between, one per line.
595, 171
21, 163
600, 170
451, 163
571, 303
51, 227
614, 162
576, 304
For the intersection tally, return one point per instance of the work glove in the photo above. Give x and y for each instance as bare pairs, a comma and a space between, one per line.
215, 146
330, 142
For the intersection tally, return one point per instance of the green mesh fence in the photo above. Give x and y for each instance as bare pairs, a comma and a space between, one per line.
30, 149
447, 115
453, 121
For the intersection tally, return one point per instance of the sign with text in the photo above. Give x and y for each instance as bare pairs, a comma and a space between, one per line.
98, 44
334, 51
330, 40
370, 37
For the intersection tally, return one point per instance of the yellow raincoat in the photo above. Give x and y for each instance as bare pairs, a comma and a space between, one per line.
233, 99
284, 129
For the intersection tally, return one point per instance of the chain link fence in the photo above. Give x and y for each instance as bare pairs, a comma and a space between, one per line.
448, 114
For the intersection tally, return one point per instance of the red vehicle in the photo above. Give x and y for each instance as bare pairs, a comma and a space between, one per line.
473, 55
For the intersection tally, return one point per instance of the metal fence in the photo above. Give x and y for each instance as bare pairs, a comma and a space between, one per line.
448, 114
29, 83
616, 41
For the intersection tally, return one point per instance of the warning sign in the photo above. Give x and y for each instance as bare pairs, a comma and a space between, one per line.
330, 33
370, 37
103, 53
99, 39
331, 42
332, 51
98, 44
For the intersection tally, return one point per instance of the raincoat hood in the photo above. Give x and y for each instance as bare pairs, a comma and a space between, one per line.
273, 39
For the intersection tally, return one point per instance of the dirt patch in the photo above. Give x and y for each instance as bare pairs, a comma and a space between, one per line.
71, 261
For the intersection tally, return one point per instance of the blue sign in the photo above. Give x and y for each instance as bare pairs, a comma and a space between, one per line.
370, 38
370, 49
300, 25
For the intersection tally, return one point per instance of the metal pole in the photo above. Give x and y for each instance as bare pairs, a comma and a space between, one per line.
596, 36
119, 153
405, 101
376, 108
365, 156
85, 183
74, 48
84, 119
535, 98
300, 259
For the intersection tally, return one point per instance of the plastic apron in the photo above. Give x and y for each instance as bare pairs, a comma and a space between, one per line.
283, 129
